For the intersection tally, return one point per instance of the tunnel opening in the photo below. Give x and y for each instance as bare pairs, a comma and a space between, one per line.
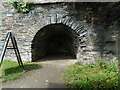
54, 40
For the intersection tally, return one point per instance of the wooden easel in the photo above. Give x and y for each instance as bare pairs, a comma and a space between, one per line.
15, 47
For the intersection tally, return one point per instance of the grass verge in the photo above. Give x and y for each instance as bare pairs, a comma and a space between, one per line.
10, 70
96, 75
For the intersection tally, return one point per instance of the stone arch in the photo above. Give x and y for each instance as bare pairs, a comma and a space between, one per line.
80, 29
54, 39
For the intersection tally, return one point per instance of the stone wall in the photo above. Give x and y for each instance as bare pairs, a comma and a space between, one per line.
93, 41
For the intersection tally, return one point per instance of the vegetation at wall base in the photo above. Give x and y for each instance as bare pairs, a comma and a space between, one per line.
10, 70
98, 75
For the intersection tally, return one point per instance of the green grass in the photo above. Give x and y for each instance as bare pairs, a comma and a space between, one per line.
10, 70
92, 76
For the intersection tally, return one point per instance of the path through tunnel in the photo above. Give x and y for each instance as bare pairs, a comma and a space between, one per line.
54, 40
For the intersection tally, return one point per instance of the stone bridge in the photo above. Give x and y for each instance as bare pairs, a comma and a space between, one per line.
57, 28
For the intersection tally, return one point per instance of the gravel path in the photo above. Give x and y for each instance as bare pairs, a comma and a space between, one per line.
49, 76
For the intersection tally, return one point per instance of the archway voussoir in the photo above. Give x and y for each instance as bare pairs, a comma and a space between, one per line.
73, 26
46, 21
68, 22
65, 20
83, 34
71, 22
59, 18
77, 25
31, 34
53, 19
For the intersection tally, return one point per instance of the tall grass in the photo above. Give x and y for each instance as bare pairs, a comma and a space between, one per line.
96, 75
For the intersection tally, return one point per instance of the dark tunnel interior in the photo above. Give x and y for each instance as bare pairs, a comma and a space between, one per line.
54, 39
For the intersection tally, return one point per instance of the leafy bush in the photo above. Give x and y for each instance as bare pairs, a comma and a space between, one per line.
94, 75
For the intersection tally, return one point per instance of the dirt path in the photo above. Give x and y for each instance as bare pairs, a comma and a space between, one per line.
49, 76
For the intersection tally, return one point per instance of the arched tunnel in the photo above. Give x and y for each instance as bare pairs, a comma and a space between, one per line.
54, 39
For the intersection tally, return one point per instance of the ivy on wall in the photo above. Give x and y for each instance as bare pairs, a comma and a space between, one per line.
23, 7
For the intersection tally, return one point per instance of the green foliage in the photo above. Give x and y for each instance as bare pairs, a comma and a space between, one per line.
90, 76
10, 70
21, 6
111, 4
78, 63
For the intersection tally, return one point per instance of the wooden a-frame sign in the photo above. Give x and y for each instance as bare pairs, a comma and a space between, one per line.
15, 47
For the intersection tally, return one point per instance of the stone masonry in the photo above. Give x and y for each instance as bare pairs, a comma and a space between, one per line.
91, 41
